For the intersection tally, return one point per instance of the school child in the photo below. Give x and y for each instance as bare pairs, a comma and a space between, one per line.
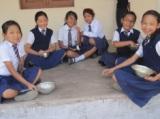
126, 39
93, 40
69, 35
41, 45
13, 78
141, 90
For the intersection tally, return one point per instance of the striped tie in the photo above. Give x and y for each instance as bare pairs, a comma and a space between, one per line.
43, 32
16, 51
89, 28
69, 38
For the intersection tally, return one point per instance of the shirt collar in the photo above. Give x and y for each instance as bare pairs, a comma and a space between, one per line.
9, 43
130, 31
40, 29
67, 27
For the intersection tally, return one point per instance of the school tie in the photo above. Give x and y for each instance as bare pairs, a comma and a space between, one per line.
43, 32
146, 40
89, 28
16, 51
69, 38
126, 33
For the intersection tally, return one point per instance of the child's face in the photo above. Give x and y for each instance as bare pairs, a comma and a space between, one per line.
42, 22
149, 24
88, 18
128, 22
71, 21
13, 34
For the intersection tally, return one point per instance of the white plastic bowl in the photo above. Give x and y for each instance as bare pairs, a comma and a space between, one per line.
46, 87
142, 71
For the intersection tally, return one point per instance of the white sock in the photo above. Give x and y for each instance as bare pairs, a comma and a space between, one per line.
80, 58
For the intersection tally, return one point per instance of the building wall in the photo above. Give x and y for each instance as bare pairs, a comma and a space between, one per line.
104, 9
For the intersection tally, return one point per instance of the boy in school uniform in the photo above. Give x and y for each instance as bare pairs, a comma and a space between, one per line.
41, 45
141, 89
126, 39
13, 77
93, 39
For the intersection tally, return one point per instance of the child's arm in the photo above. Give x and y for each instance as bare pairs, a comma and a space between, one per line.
52, 47
119, 44
29, 50
17, 76
131, 60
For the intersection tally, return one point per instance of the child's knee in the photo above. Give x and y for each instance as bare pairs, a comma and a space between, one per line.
92, 41
9, 93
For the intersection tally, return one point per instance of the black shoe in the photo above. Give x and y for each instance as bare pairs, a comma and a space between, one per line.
71, 61
101, 63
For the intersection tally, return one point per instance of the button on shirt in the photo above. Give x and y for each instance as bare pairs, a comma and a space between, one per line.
31, 38
97, 30
116, 36
7, 54
63, 35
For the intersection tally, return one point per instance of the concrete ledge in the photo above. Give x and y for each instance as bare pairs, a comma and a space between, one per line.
81, 93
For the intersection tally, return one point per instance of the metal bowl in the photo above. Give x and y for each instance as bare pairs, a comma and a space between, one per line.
46, 87
142, 71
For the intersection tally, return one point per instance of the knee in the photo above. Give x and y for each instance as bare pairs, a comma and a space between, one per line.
9, 93
92, 41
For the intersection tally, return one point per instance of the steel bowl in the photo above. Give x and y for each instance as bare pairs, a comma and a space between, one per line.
46, 87
142, 71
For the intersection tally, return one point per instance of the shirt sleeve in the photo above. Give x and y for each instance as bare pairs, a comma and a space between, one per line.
60, 35
4, 54
53, 38
30, 38
116, 36
140, 39
158, 48
139, 52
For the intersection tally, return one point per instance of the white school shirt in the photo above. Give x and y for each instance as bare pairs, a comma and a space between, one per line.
63, 35
116, 36
31, 38
139, 52
97, 30
7, 54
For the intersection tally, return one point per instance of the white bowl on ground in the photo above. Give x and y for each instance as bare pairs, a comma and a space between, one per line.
142, 71
46, 87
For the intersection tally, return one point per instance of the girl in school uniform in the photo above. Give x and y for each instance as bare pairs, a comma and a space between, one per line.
125, 40
13, 78
69, 35
41, 45
141, 90
93, 39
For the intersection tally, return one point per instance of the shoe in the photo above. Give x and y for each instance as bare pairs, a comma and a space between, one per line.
71, 61
101, 63
26, 96
116, 86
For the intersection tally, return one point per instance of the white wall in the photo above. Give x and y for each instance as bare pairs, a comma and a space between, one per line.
104, 9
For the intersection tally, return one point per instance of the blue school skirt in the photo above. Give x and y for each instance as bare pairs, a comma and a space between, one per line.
139, 90
111, 59
51, 61
101, 45
9, 82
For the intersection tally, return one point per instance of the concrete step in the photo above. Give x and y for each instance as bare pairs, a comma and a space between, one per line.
81, 93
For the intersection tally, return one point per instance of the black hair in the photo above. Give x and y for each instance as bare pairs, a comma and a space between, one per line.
7, 24
89, 11
38, 14
71, 13
130, 13
153, 13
